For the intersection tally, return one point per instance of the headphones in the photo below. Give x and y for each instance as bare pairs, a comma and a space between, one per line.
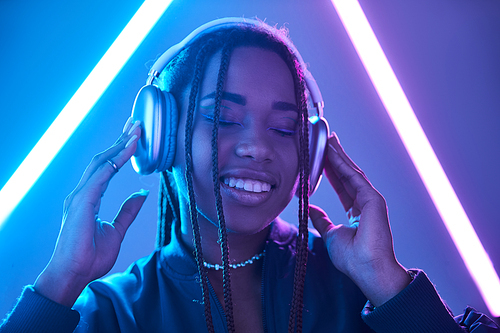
157, 111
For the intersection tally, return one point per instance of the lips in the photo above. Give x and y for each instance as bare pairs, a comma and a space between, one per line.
247, 184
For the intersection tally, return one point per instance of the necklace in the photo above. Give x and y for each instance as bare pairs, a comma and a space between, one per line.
241, 264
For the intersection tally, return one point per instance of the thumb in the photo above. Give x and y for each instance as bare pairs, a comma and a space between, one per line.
320, 220
129, 210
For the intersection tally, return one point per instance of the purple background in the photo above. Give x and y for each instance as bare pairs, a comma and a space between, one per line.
445, 53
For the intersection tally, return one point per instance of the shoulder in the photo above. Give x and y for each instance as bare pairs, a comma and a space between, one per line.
119, 288
282, 243
331, 299
283, 232
132, 279
107, 303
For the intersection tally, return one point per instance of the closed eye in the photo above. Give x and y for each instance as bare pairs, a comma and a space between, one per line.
222, 122
283, 132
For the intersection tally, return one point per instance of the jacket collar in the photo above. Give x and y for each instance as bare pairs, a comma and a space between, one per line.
178, 260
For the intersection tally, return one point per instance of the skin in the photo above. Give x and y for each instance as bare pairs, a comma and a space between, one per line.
250, 146
364, 250
87, 247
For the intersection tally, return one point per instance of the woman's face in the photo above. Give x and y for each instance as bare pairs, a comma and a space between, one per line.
258, 140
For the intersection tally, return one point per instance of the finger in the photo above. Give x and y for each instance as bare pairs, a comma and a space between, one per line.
95, 187
354, 182
117, 155
334, 142
359, 188
340, 176
125, 145
128, 211
352, 177
320, 220
338, 185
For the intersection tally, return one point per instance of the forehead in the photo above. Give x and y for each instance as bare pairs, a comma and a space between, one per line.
252, 70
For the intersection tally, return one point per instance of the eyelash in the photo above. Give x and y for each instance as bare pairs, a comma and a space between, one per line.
222, 122
283, 132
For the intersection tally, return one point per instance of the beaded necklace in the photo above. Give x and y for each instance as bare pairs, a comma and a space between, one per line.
241, 264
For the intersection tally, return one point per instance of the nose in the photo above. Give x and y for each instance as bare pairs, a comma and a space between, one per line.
256, 146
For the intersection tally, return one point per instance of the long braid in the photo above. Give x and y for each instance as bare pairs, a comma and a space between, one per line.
172, 201
297, 305
162, 215
274, 43
226, 277
303, 219
189, 179
168, 209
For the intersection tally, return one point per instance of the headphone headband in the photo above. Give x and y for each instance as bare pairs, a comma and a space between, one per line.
158, 112
173, 51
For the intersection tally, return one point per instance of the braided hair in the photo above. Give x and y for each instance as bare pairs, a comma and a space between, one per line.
187, 69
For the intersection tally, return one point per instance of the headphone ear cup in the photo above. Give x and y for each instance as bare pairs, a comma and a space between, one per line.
169, 133
318, 137
158, 114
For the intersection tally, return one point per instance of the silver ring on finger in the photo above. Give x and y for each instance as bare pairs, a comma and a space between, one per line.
113, 165
354, 219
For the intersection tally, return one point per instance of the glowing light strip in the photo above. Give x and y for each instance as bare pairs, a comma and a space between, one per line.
394, 99
80, 105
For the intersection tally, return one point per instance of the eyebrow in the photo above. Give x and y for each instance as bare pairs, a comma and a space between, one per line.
241, 100
284, 106
235, 98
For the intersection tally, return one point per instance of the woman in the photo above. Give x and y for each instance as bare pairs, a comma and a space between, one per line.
241, 152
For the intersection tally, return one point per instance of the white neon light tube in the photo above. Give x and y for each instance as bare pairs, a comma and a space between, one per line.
80, 105
427, 164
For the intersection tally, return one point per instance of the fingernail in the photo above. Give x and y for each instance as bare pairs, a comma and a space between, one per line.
136, 124
141, 193
131, 140
127, 124
333, 148
336, 136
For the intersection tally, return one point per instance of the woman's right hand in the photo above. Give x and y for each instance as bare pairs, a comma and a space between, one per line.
87, 247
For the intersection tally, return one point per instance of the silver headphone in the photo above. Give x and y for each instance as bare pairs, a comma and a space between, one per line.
157, 111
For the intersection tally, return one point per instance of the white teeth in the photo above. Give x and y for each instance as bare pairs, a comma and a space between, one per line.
249, 185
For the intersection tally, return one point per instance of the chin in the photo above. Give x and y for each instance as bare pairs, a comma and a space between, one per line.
245, 230
245, 223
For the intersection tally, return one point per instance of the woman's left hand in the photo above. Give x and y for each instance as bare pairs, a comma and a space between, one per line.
364, 250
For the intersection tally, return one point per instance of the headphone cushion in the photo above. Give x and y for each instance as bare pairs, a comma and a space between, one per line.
169, 135
158, 114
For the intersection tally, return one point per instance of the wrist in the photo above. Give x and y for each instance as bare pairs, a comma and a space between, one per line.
58, 287
383, 282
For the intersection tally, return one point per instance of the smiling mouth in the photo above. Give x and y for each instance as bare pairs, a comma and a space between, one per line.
248, 185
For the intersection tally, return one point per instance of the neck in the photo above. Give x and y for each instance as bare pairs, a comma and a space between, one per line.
241, 246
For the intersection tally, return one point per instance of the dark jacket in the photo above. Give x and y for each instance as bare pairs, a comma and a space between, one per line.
161, 293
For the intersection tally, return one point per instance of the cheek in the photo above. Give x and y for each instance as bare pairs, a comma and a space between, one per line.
202, 149
292, 163
290, 153
201, 140
202, 167
201, 152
